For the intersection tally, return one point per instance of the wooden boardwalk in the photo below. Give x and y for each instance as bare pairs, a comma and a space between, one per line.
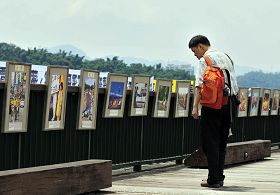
262, 177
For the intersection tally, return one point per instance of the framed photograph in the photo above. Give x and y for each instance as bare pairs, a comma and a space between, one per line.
74, 77
243, 106
38, 74
56, 82
275, 102
265, 102
182, 98
255, 99
162, 98
16, 97
115, 96
2, 71
89, 82
139, 95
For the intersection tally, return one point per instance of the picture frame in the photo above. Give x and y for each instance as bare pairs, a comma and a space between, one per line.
2, 71
275, 102
56, 96
265, 106
182, 99
16, 97
162, 98
115, 96
88, 98
255, 101
243, 106
139, 97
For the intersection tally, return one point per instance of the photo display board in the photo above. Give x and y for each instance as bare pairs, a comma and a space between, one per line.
243, 106
265, 102
162, 98
115, 96
89, 82
56, 82
16, 97
139, 95
275, 102
255, 99
182, 98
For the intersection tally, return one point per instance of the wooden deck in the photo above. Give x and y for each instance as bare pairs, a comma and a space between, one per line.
262, 177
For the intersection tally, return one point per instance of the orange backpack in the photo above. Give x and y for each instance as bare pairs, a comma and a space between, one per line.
213, 86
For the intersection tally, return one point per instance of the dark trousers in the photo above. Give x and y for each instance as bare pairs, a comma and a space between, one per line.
215, 126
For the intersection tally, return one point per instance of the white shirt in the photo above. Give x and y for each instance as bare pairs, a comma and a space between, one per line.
220, 60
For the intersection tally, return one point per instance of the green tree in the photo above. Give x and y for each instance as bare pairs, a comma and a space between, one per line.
10, 52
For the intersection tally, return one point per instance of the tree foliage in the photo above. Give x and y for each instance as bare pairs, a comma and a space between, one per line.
259, 79
10, 52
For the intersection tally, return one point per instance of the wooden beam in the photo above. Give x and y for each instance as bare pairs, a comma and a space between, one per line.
236, 153
66, 178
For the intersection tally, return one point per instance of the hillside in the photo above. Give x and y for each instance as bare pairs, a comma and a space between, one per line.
69, 49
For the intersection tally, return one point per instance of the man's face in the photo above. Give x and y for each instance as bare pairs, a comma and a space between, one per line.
198, 51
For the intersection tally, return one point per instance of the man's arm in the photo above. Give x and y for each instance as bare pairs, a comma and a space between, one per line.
196, 102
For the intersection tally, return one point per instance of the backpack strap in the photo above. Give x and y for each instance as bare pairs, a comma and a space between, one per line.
230, 59
229, 83
207, 60
228, 74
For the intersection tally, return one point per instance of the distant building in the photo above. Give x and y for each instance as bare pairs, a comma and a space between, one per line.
186, 67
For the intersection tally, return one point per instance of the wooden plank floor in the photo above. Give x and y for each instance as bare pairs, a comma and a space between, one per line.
262, 177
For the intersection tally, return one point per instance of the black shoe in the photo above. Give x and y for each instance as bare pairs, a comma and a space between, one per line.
204, 183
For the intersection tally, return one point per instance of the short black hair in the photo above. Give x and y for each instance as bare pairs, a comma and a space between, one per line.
197, 40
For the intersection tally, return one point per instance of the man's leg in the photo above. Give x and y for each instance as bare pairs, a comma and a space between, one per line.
225, 125
210, 125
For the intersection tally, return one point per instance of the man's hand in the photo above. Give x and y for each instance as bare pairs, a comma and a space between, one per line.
195, 112
196, 103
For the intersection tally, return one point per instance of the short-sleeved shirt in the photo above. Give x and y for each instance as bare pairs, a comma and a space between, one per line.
220, 60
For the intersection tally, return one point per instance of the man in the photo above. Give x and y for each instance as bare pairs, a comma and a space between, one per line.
215, 123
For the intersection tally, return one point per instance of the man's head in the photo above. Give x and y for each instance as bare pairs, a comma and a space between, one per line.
199, 44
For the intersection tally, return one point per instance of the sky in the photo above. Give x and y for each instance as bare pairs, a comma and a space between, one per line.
248, 30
